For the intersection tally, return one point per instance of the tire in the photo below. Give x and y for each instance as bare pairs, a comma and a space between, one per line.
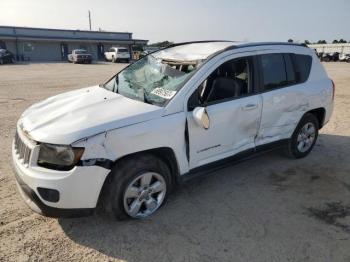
127, 175
1, 61
114, 60
304, 137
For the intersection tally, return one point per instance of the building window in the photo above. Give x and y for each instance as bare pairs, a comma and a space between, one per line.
2, 45
82, 47
28, 47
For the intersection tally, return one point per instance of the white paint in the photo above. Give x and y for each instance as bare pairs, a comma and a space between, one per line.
111, 126
68, 117
192, 52
113, 53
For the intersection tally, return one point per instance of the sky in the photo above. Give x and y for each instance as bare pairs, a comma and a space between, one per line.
186, 20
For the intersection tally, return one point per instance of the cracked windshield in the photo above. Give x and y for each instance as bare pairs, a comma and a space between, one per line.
152, 80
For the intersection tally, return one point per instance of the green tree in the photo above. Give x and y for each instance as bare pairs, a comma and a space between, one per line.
290, 40
335, 41
342, 41
161, 44
307, 42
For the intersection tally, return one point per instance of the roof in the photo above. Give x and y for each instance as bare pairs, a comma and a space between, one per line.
200, 50
192, 51
47, 34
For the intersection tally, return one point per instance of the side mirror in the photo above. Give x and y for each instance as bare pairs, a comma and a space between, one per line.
201, 117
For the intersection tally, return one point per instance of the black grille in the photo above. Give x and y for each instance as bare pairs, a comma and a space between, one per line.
22, 150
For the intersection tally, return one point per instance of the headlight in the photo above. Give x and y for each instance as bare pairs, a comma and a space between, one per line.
59, 157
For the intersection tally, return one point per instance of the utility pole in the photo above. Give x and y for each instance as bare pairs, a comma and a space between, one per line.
89, 20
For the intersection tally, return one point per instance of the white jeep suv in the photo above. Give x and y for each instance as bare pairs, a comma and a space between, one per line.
115, 54
176, 113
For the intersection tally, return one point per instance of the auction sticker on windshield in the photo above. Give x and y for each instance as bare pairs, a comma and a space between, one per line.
164, 93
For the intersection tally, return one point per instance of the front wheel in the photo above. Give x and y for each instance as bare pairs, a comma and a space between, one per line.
304, 137
137, 187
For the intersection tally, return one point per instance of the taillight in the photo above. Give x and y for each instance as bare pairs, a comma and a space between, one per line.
333, 86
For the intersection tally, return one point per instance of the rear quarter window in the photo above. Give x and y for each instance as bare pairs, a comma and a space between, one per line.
302, 67
274, 71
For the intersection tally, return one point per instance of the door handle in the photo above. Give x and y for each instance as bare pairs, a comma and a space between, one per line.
249, 106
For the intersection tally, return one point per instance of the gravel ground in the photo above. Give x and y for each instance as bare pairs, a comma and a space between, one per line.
269, 208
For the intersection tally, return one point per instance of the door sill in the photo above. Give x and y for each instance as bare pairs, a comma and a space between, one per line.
226, 162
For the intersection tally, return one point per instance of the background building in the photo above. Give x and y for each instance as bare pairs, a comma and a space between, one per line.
40, 44
330, 48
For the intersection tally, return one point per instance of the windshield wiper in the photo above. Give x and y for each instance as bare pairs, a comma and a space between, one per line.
145, 99
115, 88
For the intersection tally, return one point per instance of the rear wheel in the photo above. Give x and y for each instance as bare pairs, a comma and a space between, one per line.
113, 59
137, 187
304, 137
1, 61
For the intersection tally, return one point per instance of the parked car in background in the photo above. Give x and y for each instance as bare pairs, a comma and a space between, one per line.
344, 57
80, 56
6, 57
330, 57
175, 114
116, 54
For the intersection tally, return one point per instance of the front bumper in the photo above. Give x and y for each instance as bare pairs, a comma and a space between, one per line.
79, 188
83, 60
34, 202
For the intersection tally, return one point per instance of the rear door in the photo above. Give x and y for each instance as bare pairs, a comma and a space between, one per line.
283, 94
234, 109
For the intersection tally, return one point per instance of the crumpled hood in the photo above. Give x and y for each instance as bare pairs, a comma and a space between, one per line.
68, 117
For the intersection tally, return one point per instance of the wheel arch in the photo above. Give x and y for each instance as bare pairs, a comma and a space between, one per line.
320, 114
166, 154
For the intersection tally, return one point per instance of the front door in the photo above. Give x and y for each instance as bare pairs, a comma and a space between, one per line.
100, 51
2, 45
64, 51
234, 111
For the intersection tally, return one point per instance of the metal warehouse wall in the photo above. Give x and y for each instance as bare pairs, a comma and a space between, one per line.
41, 51
51, 51
329, 48
58, 33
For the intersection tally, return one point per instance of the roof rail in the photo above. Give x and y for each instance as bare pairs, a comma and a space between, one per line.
252, 44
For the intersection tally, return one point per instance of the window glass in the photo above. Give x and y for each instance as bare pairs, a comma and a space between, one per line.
291, 79
232, 79
122, 50
151, 80
302, 65
274, 71
28, 47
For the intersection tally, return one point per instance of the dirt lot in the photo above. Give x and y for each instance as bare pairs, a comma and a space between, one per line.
269, 208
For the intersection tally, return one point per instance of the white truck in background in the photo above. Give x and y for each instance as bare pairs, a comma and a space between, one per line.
115, 54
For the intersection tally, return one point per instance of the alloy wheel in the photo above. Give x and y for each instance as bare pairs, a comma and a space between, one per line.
144, 195
306, 137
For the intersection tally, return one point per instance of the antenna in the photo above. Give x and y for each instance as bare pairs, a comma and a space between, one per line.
89, 20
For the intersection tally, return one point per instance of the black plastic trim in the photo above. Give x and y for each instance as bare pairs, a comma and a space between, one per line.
222, 163
101, 162
48, 194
